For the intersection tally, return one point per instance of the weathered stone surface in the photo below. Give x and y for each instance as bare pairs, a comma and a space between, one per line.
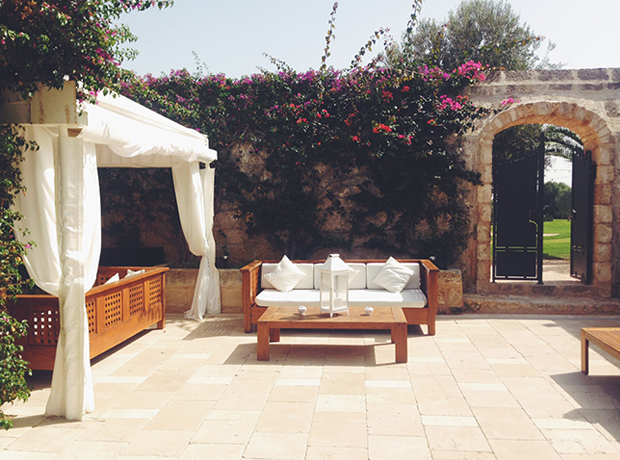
593, 74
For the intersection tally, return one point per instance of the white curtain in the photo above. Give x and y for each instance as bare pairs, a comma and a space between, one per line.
61, 209
194, 192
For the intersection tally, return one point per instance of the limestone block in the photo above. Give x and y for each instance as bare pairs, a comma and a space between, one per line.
602, 272
603, 214
603, 233
604, 173
603, 253
603, 194
593, 74
450, 287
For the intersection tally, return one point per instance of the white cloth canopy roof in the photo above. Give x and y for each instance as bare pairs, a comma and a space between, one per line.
62, 212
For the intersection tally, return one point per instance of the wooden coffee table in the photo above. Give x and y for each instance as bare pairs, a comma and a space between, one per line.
276, 318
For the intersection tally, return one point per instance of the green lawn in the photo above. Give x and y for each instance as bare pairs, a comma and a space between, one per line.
556, 246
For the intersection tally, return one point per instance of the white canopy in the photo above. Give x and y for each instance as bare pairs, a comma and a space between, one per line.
62, 211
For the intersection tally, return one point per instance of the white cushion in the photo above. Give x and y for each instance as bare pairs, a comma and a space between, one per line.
412, 298
294, 298
113, 278
307, 282
131, 272
285, 276
357, 276
373, 269
393, 276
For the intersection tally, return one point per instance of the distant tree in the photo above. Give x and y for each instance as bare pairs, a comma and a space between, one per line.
485, 31
557, 200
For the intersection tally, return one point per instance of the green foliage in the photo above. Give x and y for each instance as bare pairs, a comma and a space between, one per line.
47, 42
11, 250
321, 141
486, 31
13, 369
557, 201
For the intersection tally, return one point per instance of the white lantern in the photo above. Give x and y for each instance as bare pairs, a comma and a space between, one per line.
334, 286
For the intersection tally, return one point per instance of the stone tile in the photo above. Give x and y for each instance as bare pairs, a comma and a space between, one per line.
23, 455
275, 446
390, 396
339, 417
91, 450
211, 452
340, 403
335, 383
505, 449
247, 415
180, 415
336, 453
461, 438
451, 455
579, 441
224, 432
294, 393
286, 417
45, 439
448, 420
110, 430
381, 447
158, 443
143, 400
507, 423
338, 434
394, 420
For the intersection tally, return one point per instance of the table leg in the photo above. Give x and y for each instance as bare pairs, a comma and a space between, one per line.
262, 343
274, 335
585, 351
399, 337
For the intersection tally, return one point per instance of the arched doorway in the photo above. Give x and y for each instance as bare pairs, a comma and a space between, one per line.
597, 138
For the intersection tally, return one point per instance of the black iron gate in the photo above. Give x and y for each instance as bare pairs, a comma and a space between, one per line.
584, 172
518, 191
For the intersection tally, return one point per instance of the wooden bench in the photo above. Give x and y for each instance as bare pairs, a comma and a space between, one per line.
607, 338
252, 278
116, 312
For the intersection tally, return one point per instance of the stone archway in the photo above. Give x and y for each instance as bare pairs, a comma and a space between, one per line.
560, 98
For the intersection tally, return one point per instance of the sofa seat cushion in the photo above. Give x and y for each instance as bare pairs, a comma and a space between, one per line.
411, 298
294, 298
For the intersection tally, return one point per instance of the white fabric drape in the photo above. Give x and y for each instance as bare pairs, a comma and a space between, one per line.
61, 209
194, 192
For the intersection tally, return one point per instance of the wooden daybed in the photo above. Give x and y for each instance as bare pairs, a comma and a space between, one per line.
116, 312
423, 314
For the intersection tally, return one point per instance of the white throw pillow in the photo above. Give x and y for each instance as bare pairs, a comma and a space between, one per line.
131, 272
113, 278
286, 275
393, 276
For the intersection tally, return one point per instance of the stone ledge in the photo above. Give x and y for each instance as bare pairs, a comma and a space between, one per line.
508, 304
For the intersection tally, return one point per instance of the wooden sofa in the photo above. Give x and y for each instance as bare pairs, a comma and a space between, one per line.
428, 274
116, 311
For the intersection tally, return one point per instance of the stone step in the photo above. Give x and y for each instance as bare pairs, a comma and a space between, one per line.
514, 304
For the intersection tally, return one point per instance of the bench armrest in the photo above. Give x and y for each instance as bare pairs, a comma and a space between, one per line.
250, 282
429, 275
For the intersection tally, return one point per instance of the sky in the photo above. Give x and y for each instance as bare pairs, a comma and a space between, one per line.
231, 36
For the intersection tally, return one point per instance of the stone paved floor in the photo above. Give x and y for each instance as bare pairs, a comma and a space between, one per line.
494, 387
